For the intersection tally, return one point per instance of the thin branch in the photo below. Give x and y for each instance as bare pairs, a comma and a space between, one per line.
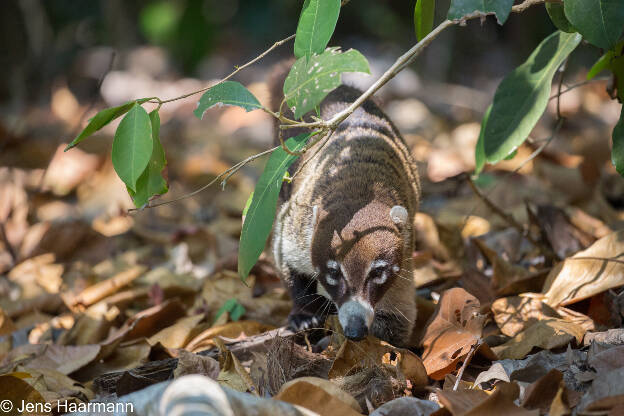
401, 62
574, 86
224, 176
471, 353
238, 68
331, 124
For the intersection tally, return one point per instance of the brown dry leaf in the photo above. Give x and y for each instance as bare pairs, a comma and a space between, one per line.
238, 329
233, 374
606, 392
560, 404
515, 314
271, 308
121, 358
374, 352
177, 335
578, 318
36, 274
145, 323
540, 394
479, 403
547, 334
607, 360
588, 272
319, 397
189, 363
6, 325
18, 391
54, 386
507, 278
456, 326
65, 358
105, 288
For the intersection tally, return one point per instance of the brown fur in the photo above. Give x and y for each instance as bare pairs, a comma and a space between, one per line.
337, 208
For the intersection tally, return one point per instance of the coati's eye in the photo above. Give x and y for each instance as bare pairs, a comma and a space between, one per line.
379, 272
332, 277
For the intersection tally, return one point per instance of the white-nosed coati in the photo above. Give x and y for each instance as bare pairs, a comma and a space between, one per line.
343, 234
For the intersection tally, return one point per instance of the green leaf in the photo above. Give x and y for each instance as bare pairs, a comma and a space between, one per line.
557, 16
479, 149
261, 212
599, 21
461, 8
617, 152
522, 96
617, 67
132, 146
248, 203
316, 25
151, 181
233, 307
310, 80
423, 17
604, 62
102, 118
227, 93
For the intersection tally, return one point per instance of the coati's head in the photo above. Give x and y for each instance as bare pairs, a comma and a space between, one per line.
358, 257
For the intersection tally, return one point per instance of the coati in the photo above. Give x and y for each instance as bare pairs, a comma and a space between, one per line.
342, 238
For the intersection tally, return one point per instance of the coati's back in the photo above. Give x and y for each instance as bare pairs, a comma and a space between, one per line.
344, 227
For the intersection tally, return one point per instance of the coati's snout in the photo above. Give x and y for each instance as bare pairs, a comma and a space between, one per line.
356, 316
360, 264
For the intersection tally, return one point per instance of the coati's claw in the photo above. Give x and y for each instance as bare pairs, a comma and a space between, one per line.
303, 321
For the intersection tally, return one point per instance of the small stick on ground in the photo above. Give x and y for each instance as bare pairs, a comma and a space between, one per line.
471, 353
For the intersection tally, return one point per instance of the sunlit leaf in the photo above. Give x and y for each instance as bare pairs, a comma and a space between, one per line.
310, 80
461, 8
522, 96
316, 25
261, 212
423, 17
151, 181
599, 21
227, 93
102, 118
132, 146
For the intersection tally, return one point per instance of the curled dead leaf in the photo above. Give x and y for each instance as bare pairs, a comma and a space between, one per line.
547, 334
234, 330
319, 395
515, 314
589, 272
456, 326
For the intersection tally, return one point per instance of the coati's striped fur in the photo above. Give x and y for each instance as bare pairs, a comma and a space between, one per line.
343, 230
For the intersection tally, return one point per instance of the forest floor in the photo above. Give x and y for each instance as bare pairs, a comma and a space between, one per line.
520, 286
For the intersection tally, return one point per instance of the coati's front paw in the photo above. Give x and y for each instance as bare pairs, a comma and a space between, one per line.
301, 321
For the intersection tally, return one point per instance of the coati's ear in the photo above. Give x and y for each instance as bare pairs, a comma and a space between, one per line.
398, 214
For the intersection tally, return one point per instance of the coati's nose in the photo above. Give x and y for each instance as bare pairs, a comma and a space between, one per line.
356, 328
356, 316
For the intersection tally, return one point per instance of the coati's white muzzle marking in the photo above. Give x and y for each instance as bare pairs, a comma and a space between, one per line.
356, 307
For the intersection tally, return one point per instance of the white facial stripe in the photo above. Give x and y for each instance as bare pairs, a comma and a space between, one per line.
333, 264
330, 280
381, 279
378, 263
396, 268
